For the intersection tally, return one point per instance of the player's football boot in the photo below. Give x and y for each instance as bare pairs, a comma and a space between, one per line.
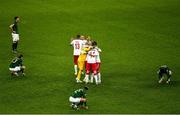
78, 81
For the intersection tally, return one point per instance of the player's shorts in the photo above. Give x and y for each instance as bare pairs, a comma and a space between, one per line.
16, 69
91, 66
15, 37
74, 100
98, 67
76, 59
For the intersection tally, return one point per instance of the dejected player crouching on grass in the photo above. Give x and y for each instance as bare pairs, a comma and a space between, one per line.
164, 70
78, 99
17, 66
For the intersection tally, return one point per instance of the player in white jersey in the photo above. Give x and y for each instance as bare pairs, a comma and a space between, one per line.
98, 63
91, 64
77, 45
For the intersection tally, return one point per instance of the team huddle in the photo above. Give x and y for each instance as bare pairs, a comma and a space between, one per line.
86, 56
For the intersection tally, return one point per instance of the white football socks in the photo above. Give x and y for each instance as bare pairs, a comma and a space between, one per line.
96, 79
99, 77
86, 79
75, 69
92, 77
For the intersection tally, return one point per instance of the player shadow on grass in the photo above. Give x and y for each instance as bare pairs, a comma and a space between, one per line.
17, 78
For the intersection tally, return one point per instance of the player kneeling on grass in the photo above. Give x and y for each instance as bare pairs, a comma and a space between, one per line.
17, 66
164, 70
78, 99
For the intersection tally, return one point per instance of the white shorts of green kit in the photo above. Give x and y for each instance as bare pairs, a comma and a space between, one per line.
16, 69
74, 100
15, 37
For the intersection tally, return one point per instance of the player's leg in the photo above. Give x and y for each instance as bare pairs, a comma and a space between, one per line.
75, 65
14, 71
16, 44
169, 77
94, 69
13, 42
75, 102
83, 105
161, 77
80, 66
88, 68
23, 70
98, 73
13, 46
92, 77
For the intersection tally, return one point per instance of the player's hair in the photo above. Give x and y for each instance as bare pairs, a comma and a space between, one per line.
94, 43
86, 88
20, 56
16, 17
78, 36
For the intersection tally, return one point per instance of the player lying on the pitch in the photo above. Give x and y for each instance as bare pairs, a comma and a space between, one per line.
16, 67
78, 99
164, 70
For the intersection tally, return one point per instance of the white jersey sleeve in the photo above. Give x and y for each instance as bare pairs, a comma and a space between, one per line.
98, 60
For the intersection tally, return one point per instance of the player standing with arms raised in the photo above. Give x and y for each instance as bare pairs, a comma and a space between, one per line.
15, 34
77, 44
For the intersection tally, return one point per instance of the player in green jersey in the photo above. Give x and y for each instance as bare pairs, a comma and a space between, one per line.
78, 99
17, 66
15, 34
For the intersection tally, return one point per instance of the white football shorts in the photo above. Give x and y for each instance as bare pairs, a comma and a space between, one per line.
16, 69
15, 37
74, 100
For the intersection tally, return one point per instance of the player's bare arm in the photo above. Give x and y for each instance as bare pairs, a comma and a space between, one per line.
11, 28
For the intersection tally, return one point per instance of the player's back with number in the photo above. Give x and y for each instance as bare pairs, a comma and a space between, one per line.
77, 45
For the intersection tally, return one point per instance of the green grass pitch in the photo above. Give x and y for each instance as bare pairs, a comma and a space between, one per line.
136, 37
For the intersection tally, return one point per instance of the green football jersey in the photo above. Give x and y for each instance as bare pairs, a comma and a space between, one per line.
15, 62
79, 93
15, 27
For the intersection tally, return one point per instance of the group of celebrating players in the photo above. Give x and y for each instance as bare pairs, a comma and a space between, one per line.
86, 56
